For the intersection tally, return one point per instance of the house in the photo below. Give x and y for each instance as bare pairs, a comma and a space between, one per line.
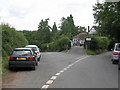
92, 31
80, 38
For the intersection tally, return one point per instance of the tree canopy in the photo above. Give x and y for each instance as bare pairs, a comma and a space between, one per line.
11, 39
107, 15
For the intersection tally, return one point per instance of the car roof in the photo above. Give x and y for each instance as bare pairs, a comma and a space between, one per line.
117, 43
22, 49
31, 46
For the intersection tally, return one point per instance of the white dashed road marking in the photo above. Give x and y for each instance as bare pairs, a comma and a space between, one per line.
61, 71
49, 82
57, 74
45, 86
53, 77
70, 65
65, 69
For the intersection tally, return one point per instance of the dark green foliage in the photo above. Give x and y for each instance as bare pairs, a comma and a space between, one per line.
52, 39
68, 27
54, 29
59, 45
63, 43
44, 33
11, 39
98, 43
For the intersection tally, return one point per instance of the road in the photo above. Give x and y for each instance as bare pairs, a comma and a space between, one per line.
74, 69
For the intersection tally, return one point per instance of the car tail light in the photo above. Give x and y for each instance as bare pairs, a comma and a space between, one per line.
115, 53
32, 58
11, 58
36, 52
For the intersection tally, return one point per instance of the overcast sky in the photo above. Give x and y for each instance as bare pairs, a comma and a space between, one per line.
26, 14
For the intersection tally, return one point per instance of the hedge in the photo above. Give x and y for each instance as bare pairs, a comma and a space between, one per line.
97, 43
58, 45
11, 39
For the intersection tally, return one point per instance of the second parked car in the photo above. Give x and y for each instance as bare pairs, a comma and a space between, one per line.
36, 50
115, 53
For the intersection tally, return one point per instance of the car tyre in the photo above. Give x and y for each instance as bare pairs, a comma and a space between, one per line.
34, 68
11, 68
39, 59
36, 63
113, 62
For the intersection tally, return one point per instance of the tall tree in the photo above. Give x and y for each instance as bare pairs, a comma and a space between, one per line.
107, 15
44, 33
68, 27
54, 29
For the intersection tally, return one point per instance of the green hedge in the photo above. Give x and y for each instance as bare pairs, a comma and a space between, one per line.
57, 45
97, 43
11, 39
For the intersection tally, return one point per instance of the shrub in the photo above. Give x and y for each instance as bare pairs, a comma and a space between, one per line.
98, 43
59, 45
11, 39
63, 43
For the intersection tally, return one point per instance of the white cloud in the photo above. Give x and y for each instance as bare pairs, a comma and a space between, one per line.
26, 14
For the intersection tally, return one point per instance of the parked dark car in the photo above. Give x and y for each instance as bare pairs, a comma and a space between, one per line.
23, 57
119, 62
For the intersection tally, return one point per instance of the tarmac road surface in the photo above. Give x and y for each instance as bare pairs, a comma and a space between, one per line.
74, 69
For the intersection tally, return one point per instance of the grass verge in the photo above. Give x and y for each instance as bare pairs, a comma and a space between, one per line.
65, 51
92, 52
5, 65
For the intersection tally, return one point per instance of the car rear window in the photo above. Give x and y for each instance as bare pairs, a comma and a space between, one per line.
22, 52
118, 47
33, 48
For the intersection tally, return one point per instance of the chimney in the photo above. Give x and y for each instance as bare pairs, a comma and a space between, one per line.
88, 29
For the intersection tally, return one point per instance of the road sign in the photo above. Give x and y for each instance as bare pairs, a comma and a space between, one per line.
88, 39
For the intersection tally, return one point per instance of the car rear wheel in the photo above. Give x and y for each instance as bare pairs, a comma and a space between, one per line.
11, 68
34, 68
37, 63
113, 62
39, 59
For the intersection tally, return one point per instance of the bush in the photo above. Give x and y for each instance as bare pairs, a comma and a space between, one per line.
63, 43
11, 39
97, 43
58, 45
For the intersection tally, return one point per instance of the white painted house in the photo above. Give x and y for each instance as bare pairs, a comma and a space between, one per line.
80, 38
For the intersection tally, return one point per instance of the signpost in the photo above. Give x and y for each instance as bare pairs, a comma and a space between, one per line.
88, 39
88, 43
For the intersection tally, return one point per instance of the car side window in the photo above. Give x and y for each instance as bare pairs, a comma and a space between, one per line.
118, 47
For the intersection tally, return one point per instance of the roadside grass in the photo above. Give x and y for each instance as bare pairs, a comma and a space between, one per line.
5, 69
65, 51
92, 52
